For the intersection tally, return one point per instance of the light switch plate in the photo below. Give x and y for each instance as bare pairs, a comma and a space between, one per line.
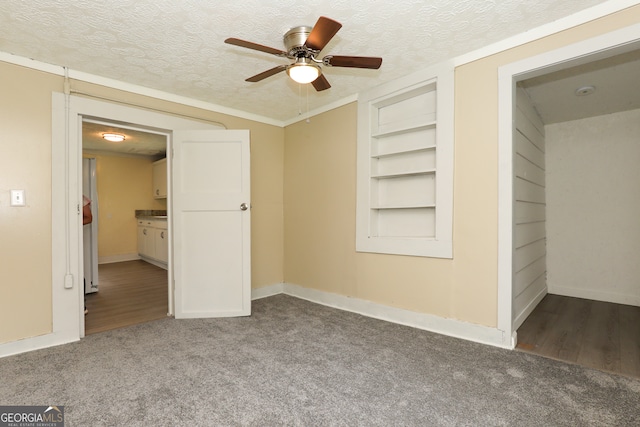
17, 198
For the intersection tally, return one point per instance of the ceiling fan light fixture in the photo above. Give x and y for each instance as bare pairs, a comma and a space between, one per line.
113, 137
303, 71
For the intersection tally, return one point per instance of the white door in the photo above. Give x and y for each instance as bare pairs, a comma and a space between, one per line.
211, 223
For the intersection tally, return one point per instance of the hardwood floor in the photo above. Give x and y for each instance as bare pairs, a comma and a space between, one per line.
130, 292
597, 334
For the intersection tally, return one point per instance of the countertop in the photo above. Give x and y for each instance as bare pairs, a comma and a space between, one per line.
151, 213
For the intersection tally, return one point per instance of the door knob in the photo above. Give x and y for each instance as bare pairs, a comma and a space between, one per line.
244, 207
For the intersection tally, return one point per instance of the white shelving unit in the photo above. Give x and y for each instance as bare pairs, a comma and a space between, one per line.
403, 164
405, 168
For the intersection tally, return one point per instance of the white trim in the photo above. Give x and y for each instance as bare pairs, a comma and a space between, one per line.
132, 88
615, 42
517, 322
31, 63
451, 327
597, 295
118, 258
506, 97
267, 291
157, 263
158, 94
34, 343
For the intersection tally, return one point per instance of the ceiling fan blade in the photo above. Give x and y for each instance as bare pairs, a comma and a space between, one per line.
352, 61
255, 46
322, 32
263, 75
321, 83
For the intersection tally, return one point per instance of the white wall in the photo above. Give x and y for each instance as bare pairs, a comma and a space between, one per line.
593, 208
529, 258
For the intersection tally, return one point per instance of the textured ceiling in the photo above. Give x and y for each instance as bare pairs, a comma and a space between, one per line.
178, 46
136, 143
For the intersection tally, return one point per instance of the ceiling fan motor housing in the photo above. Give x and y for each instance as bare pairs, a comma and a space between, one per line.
294, 41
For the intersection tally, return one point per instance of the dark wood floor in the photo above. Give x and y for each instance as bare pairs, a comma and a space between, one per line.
597, 334
130, 292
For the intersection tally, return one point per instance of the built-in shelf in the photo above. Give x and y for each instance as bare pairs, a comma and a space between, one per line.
410, 151
407, 129
404, 167
405, 173
425, 206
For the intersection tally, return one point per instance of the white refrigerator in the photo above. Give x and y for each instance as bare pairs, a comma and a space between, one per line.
90, 231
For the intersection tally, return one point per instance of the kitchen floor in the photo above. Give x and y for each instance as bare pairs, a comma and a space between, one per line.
130, 292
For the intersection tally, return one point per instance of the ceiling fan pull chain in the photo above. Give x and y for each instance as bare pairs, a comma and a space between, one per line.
307, 89
299, 99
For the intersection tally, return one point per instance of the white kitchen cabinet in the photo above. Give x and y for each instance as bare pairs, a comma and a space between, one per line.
160, 179
145, 238
153, 244
161, 242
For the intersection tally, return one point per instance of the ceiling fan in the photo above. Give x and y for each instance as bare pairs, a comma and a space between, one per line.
303, 44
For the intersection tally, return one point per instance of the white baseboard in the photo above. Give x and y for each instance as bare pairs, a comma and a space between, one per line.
34, 343
267, 291
520, 318
117, 258
451, 327
597, 295
155, 262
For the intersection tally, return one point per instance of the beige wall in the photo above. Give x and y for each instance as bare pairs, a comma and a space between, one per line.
315, 164
25, 163
25, 246
124, 184
320, 201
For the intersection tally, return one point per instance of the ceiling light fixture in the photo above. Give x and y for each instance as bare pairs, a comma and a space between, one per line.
113, 137
585, 90
303, 71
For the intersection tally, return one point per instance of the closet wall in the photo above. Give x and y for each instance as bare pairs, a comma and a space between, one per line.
593, 208
529, 258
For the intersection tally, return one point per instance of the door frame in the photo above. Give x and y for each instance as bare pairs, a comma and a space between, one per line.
68, 112
586, 51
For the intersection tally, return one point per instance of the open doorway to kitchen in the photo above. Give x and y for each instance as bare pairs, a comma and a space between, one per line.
66, 196
126, 245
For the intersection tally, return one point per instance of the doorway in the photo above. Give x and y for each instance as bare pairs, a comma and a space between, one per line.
587, 221
524, 277
202, 153
129, 285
